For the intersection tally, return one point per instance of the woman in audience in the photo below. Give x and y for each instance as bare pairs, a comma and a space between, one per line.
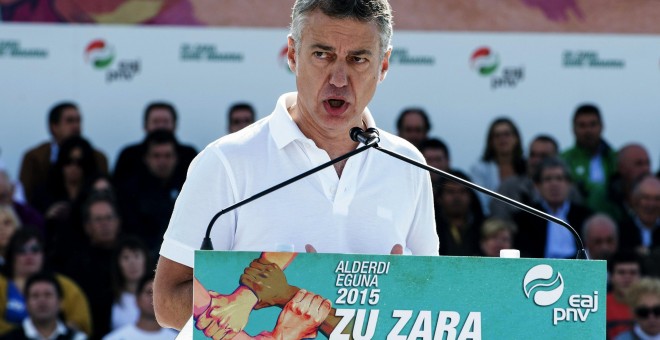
643, 297
25, 257
70, 181
9, 222
502, 158
130, 265
496, 234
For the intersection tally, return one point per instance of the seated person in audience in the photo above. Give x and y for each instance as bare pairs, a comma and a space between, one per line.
496, 234
91, 265
592, 161
502, 158
43, 297
413, 125
633, 163
157, 116
61, 199
458, 219
624, 268
521, 187
543, 239
239, 116
64, 121
27, 215
644, 301
130, 264
9, 223
601, 236
436, 154
25, 257
145, 327
147, 199
642, 231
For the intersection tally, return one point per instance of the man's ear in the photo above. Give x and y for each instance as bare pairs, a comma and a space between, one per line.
291, 54
385, 65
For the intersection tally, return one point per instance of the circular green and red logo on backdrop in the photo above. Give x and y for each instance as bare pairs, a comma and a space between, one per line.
484, 61
99, 54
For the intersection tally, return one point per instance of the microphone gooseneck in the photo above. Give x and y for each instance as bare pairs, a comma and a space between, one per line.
581, 254
370, 141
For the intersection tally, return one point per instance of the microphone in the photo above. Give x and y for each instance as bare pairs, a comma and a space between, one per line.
362, 136
370, 138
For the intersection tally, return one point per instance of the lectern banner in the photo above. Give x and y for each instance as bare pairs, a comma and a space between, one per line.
253, 295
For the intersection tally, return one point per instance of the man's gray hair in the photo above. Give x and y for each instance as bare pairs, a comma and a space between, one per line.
376, 11
599, 218
551, 162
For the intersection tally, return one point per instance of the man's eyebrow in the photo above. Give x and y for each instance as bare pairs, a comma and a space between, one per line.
332, 49
323, 47
360, 52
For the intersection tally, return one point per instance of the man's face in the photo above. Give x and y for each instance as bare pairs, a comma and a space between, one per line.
587, 129
145, 300
634, 163
68, 126
436, 158
601, 241
161, 160
103, 225
239, 119
646, 202
413, 128
160, 119
43, 304
337, 69
554, 186
538, 151
455, 199
623, 275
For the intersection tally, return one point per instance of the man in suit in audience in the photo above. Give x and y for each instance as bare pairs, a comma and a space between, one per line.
64, 121
542, 239
642, 231
157, 116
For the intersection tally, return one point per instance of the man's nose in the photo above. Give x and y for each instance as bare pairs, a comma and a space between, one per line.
339, 74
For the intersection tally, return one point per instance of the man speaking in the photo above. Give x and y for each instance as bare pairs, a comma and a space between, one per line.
370, 203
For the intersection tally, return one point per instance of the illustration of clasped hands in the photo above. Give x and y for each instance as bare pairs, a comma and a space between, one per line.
262, 285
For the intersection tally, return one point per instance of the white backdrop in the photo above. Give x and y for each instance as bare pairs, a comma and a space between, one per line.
204, 70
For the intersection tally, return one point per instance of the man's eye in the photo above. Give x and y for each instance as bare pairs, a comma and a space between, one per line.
358, 60
319, 54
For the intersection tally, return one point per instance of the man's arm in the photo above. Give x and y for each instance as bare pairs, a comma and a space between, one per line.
173, 293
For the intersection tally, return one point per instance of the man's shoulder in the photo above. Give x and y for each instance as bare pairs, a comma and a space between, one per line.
40, 150
131, 150
253, 136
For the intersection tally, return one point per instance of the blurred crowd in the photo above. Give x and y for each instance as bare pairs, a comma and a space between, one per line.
90, 236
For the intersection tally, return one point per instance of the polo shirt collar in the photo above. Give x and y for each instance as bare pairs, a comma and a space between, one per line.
284, 130
32, 333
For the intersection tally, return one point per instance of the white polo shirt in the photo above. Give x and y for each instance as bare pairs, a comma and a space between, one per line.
378, 202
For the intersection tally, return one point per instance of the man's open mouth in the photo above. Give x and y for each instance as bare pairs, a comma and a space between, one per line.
335, 103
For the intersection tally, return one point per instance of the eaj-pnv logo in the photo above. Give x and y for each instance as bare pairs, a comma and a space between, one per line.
102, 57
484, 61
545, 287
487, 64
99, 54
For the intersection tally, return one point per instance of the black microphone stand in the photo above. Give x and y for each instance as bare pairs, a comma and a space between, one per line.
208, 245
581, 254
